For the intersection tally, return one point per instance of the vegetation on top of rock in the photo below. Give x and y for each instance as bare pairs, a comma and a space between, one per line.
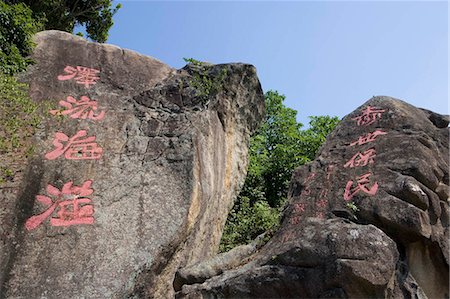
203, 81
276, 149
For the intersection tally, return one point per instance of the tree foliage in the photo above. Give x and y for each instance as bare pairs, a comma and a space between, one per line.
275, 150
246, 221
20, 19
95, 15
17, 27
279, 146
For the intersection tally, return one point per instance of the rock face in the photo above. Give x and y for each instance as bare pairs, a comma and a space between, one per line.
369, 218
134, 171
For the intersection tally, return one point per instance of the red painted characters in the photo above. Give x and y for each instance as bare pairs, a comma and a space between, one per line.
75, 148
368, 116
71, 205
368, 138
362, 185
298, 210
361, 159
81, 75
307, 182
82, 109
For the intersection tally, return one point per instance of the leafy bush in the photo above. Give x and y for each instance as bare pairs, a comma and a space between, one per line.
275, 150
205, 83
246, 221
19, 117
18, 114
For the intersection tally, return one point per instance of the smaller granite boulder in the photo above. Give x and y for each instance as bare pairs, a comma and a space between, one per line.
368, 218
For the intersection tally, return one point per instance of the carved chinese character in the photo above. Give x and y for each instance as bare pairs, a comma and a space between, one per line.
322, 203
362, 185
75, 148
368, 116
81, 74
84, 108
297, 211
299, 207
323, 193
308, 180
295, 220
368, 138
287, 236
71, 205
361, 159
320, 215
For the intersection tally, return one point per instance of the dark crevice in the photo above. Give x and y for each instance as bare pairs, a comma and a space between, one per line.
402, 271
23, 210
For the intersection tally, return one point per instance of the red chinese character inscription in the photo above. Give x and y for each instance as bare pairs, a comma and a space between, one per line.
330, 169
323, 193
82, 75
299, 208
320, 215
361, 159
308, 180
368, 138
287, 236
84, 108
362, 185
70, 203
295, 220
322, 203
76, 148
368, 116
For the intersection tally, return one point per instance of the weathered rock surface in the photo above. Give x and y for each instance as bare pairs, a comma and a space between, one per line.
368, 218
145, 186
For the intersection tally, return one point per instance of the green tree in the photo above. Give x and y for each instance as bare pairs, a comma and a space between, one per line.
95, 15
275, 150
313, 138
21, 19
17, 27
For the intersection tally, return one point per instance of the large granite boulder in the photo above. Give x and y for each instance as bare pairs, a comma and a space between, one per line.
135, 168
368, 218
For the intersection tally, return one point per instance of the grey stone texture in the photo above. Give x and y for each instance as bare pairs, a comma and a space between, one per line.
173, 161
368, 218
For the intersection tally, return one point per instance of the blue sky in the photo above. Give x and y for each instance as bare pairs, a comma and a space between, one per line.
327, 57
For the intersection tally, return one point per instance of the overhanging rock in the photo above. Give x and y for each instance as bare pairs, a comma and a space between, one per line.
135, 168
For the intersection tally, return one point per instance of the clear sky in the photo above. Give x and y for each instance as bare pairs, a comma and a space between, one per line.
327, 57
